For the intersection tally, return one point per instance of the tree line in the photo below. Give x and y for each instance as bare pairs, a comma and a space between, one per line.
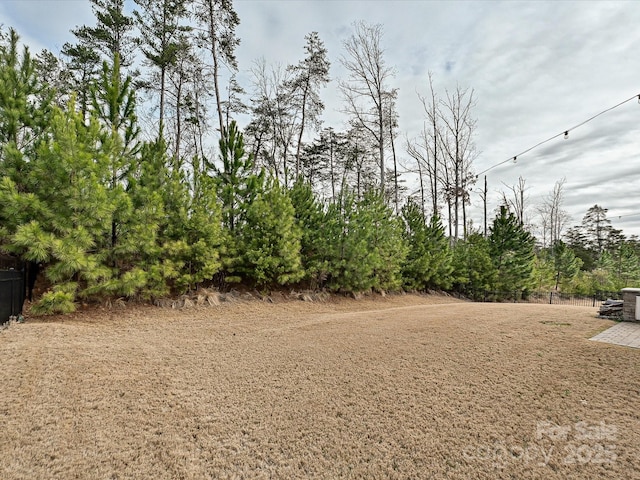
123, 171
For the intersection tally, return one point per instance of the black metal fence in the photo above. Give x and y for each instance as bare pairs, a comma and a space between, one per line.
11, 294
550, 298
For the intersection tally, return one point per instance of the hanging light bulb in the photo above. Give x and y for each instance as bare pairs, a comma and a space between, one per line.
566, 134
515, 159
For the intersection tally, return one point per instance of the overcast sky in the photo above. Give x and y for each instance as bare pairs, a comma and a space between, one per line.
537, 69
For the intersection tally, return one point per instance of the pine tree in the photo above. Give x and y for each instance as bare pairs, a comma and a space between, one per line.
597, 227
386, 245
593, 237
236, 180
84, 65
473, 268
183, 228
55, 78
24, 105
160, 39
566, 265
270, 239
110, 36
319, 162
543, 275
512, 252
66, 215
364, 248
114, 104
346, 249
310, 218
142, 228
25, 111
429, 259
309, 75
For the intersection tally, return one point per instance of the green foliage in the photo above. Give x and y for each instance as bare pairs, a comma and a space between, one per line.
66, 209
364, 245
577, 242
83, 66
543, 275
473, 268
387, 249
59, 300
588, 283
512, 252
110, 215
194, 236
179, 232
269, 239
616, 269
626, 266
566, 265
237, 184
593, 237
346, 249
24, 108
204, 234
114, 104
110, 35
309, 216
555, 268
429, 259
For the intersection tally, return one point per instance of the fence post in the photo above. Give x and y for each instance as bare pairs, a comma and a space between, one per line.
13, 307
550, 298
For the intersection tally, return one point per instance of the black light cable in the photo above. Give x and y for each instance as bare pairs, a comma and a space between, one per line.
564, 133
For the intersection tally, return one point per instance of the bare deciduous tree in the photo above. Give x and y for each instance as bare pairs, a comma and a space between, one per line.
553, 218
427, 149
272, 128
457, 135
366, 88
517, 202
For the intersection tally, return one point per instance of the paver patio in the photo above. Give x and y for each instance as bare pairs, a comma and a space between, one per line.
626, 334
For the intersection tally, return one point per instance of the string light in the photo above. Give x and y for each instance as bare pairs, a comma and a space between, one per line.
629, 215
565, 133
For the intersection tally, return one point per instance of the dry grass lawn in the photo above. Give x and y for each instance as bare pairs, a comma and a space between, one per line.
397, 387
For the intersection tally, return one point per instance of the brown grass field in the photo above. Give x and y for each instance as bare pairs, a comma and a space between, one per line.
401, 387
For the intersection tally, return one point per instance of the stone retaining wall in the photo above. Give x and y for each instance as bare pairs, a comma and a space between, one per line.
629, 308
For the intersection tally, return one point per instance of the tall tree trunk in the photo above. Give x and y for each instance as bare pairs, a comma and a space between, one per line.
381, 144
464, 211
484, 201
161, 122
214, 56
178, 137
424, 216
395, 165
302, 122
456, 199
333, 182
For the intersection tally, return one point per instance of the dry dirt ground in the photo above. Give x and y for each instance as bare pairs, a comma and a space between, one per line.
397, 387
